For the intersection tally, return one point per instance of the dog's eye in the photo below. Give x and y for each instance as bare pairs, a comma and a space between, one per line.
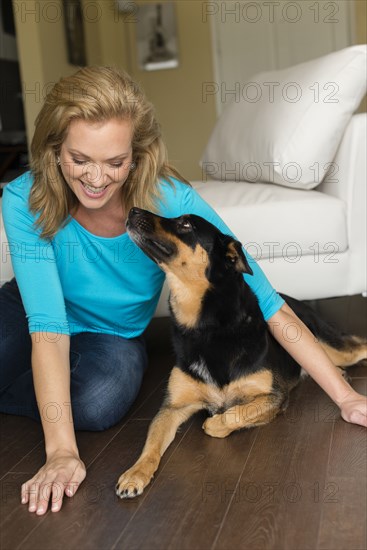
184, 226
231, 259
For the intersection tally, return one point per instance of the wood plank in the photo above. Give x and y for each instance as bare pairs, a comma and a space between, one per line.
19, 436
95, 516
348, 453
343, 524
344, 514
359, 370
16, 522
153, 389
349, 313
270, 488
276, 495
191, 494
90, 444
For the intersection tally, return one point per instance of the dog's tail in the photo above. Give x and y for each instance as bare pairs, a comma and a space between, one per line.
352, 351
343, 349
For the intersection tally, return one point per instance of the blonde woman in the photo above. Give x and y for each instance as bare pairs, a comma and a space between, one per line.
72, 352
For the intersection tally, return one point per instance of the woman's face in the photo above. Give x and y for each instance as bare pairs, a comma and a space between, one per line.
95, 160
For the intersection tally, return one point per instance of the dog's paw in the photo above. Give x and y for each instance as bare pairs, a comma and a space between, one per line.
132, 483
216, 427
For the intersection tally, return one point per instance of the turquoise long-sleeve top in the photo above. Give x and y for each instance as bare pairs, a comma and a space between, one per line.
80, 282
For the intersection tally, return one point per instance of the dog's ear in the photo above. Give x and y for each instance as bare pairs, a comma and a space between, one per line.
236, 257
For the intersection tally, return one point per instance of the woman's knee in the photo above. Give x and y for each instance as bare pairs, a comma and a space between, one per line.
97, 409
103, 393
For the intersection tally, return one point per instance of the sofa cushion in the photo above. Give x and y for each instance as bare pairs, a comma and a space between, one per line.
287, 125
272, 221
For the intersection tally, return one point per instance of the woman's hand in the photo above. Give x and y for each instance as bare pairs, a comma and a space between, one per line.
354, 409
62, 473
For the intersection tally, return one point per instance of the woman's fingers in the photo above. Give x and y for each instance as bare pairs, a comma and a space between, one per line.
44, 493
33, 492
354, 409
356, 417
57, 496
51, 482
58, 489
75, 481
24, 493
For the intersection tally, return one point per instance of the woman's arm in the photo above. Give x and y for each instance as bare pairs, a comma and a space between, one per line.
304, 348
63, 471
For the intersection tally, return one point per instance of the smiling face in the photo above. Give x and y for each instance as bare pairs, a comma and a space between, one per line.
95, 160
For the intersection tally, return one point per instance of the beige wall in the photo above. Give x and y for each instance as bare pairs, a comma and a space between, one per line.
177, 93
361, 21
42, 52
110, 40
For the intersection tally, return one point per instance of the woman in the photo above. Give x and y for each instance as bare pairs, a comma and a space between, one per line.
88, 292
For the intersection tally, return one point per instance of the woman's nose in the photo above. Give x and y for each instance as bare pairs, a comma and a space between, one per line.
96, 174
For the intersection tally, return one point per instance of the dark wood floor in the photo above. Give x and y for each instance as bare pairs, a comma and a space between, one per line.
298, 483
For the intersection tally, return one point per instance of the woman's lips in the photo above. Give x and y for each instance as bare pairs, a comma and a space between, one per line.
93, 192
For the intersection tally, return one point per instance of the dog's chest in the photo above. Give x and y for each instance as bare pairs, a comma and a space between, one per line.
219, 360
200, 369
217, 398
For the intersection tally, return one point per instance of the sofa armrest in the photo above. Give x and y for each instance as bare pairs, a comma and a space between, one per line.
350, 185
349, 168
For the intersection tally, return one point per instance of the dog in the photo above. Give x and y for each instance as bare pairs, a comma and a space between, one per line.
227, 361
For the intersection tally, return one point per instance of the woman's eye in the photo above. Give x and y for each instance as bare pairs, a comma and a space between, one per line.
77, 161
113, 165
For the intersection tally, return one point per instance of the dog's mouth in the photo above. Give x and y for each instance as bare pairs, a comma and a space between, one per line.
141, 227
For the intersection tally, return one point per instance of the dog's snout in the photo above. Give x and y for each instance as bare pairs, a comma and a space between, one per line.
141, 220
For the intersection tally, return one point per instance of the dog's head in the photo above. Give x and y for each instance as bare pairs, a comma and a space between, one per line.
189, 246
196, 257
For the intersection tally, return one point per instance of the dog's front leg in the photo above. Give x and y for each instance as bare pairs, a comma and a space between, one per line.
183, 400
161, 433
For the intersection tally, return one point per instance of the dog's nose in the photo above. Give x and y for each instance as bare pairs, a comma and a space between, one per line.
134, 211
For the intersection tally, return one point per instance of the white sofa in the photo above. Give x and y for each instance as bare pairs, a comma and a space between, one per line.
310, 243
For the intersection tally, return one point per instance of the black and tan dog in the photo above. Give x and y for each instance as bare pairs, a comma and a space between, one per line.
227, 360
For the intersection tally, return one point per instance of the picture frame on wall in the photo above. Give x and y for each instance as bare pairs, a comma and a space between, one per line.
156, 32
74, 31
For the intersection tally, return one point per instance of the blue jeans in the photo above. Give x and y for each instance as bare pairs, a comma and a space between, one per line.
106, 370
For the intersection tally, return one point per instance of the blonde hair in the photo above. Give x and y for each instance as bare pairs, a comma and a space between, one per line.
95, 94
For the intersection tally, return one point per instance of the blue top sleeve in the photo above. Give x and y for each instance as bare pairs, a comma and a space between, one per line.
33, 262
269, 300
